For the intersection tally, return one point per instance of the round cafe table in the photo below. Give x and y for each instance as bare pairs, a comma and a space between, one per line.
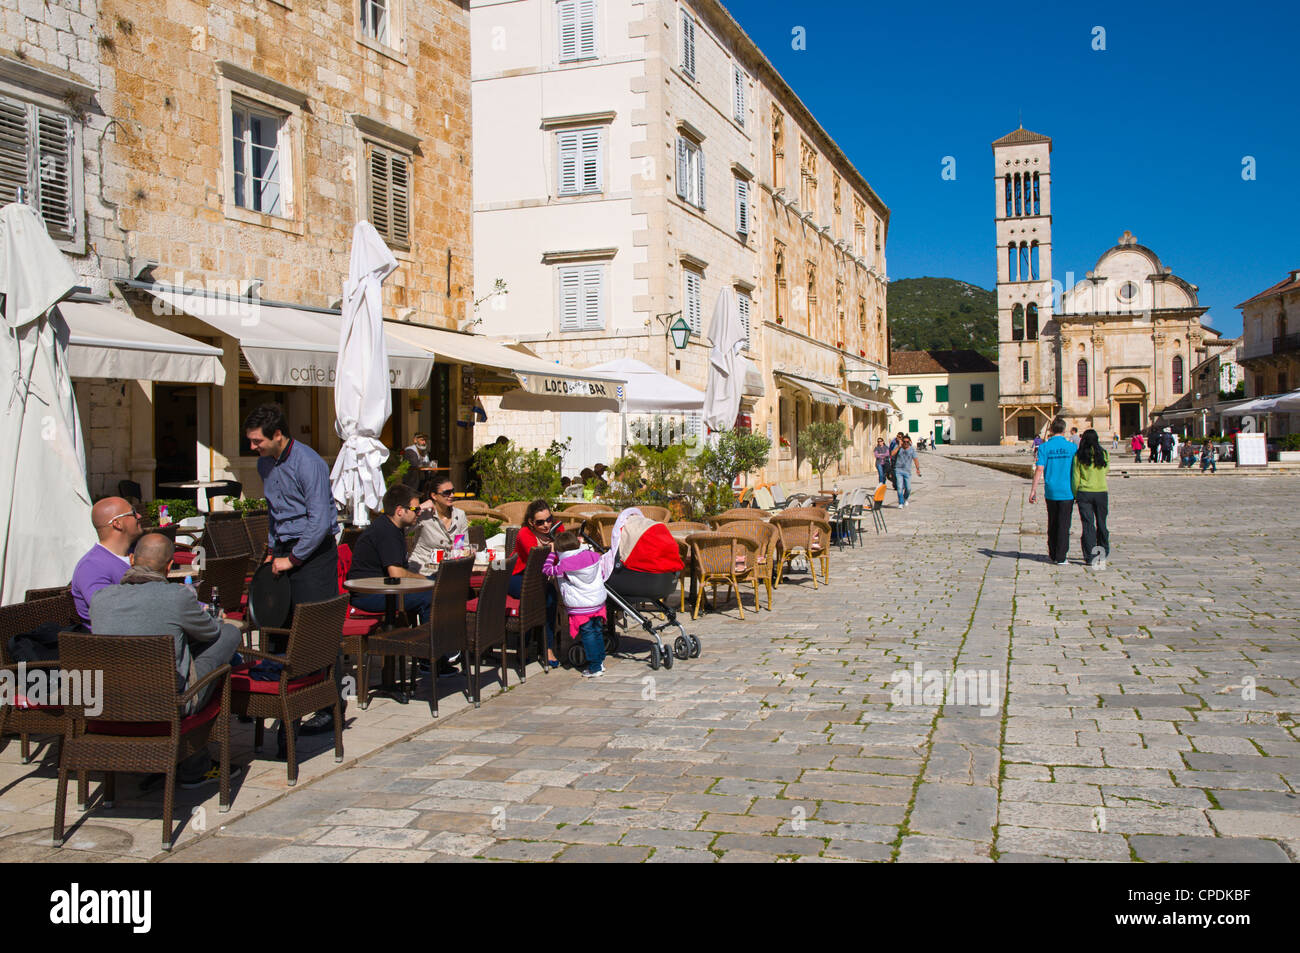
375, 585
198, 486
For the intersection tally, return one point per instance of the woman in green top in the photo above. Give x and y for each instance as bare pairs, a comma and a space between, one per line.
1090, 491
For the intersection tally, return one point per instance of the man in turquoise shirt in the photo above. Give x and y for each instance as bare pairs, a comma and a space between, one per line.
1054, 466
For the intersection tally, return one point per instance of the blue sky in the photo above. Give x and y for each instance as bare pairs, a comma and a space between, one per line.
1148, 134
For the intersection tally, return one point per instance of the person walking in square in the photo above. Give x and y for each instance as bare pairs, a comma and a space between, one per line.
1136, 445
904, 462
1052, 472
1088, 480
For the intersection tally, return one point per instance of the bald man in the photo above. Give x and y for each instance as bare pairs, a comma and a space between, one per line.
118, 525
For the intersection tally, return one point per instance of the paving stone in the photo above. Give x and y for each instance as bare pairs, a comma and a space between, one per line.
603, 855
1207, 850
955, 810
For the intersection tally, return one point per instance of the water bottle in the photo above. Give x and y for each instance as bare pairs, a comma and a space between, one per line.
214, 609
189, 584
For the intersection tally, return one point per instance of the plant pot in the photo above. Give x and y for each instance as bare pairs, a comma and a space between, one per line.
780, 320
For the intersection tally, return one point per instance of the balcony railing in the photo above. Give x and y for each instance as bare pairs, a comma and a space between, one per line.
1285, 343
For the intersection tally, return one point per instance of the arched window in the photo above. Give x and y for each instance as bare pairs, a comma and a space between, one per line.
1031, 323
1017, 323
1082, 372
1024, 261
1008, 181
1017, 191
1033, 260
1178, 373
1037, 206
1024, 372
1011, 262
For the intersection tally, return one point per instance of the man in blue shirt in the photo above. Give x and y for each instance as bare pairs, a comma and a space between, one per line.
303, 517
1055, 463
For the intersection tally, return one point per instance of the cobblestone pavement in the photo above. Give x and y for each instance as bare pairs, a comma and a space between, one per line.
1144, 712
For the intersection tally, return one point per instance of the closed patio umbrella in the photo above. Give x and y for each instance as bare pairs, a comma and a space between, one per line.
726, 367
362, 390
44, 501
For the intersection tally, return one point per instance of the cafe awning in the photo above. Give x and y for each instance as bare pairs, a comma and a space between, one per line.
827, 393
290, 346
524, 381
106, 342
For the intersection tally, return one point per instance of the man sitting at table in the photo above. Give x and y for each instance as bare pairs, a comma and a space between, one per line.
381, 551
417, 457
118, 525
145, 603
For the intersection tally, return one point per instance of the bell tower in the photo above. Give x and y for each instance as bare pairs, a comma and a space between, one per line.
1027, 357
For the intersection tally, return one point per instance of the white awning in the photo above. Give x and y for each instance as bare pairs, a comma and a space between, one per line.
108, 343
533, 383
825, 393
292, 346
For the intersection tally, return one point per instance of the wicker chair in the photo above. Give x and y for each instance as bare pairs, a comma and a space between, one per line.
600, 527
227, 537
228, 576
257, 525
716, 556
512, 513
471, 508
485, 628
477, 537
15, 620
306, 681
443, 633
806, 531
759, 568
660, 514
142, 727
738, 513
512, 533
32, 595
580, 511
679, 526
528, 616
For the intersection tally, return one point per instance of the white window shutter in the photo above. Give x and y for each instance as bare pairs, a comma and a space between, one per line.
592, 171
693, 308
593, 298
743, 303
567, 12
400, 199
688, 44
570, 295
14, 152
568, 145
738, 94
683, 169
742, 206
699, 153
586, 32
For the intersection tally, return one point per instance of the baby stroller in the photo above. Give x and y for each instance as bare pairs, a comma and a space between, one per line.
646, 573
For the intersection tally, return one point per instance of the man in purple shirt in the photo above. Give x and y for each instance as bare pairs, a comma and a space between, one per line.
118, 526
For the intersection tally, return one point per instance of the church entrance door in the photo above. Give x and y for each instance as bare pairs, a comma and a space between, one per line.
1130, 418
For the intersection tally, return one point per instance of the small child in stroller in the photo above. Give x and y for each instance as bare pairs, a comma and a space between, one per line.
581, 573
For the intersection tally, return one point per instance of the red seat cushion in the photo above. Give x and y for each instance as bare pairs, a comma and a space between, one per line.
142, 729
182, 558
512, 606
353, 627
22, 704
240, 681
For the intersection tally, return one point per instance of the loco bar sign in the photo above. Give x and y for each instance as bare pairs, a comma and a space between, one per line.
568, 387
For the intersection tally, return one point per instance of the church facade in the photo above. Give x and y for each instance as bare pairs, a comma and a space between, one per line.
1111, 352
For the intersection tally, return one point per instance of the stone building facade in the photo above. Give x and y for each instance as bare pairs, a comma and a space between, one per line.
1270, 339
1113, 350
626, 150
946, 396
245, 141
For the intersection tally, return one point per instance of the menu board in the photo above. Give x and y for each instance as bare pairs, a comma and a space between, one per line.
1252, 450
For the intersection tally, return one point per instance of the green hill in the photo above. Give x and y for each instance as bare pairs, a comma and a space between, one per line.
942, 313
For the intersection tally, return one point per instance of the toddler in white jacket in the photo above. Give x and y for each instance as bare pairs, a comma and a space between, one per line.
581, 573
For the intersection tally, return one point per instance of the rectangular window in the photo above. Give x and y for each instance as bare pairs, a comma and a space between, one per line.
690, 172
913, 394
738, 84
257, 159
941, 393
582, 298
688, 44
742, 206
976, 393
389, 189
1024, 372
913, 426
744, 304
694, 309
976, 424
579, 163
374, 20
39, 154
577, 30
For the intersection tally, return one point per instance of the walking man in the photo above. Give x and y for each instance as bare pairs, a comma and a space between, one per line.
904, 462
1053, 472
303, 519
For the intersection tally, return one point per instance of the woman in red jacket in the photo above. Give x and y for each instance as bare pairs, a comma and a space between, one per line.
538, 530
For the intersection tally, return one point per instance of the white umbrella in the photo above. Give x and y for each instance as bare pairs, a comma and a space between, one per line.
650, 391
362, 391
726, 366
44, 502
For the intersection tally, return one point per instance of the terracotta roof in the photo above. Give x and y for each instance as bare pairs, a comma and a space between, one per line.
1290, 283
1020, 136
940, 362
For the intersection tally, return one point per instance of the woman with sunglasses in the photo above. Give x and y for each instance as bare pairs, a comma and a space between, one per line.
439, 523
539, 529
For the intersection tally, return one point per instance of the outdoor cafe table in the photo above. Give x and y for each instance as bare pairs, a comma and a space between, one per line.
198, 486
375, 585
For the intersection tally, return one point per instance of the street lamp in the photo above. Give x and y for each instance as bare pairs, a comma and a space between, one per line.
1204, 410
874, 380
680, 332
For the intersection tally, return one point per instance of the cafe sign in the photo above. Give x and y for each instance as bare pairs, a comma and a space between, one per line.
550, 386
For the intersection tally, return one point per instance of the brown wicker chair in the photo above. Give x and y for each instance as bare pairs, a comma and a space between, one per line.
678, 526
15, 620
760, 565
737, 515
529, 614
477, 536
443, 633
807, 532
257, 525
142, 727
485, 628
32, 595
579, 511
471, 508
228, 576
600, 527
226, 537
660, 514
306, 682
716, 557
512, 513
